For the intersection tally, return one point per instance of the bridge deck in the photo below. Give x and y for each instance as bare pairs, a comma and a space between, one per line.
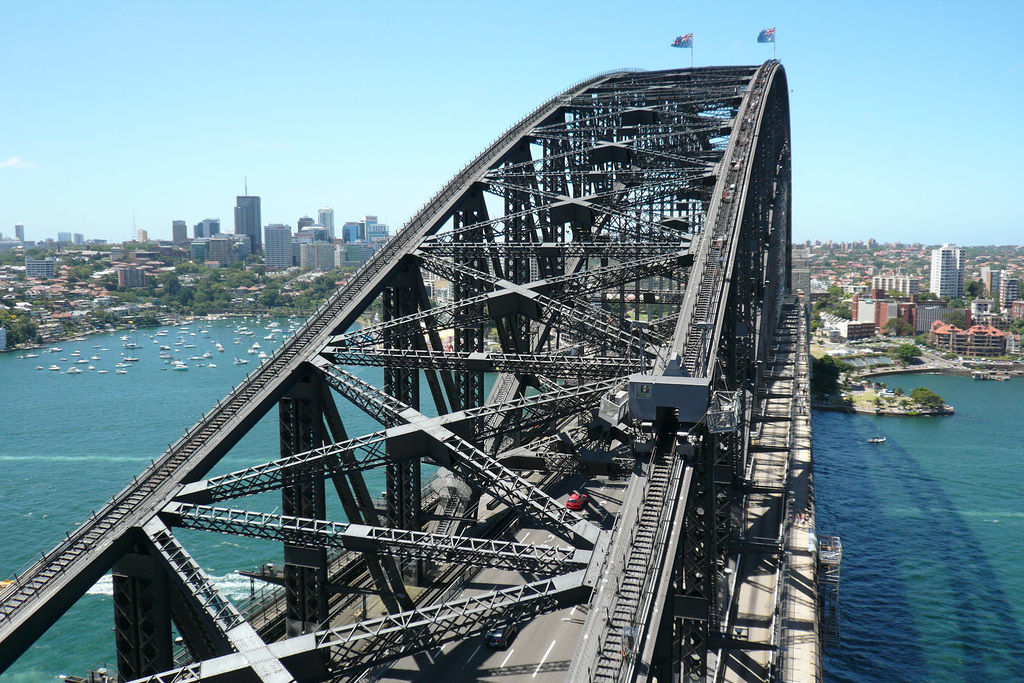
782, 461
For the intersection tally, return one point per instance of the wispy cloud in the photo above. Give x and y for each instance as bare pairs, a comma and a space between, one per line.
17, 162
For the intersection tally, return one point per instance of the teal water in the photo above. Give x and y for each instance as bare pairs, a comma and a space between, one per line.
69, 442
932, 521
932, 524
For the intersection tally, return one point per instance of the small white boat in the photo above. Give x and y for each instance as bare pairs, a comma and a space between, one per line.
73, 371
120, 372
55, 367
101, 372
877, 439
238, 361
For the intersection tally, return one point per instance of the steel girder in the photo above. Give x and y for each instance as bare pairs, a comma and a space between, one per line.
316, 533
627, 158
370, 452
331, 653
570, 363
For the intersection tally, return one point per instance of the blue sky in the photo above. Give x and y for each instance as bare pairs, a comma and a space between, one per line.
906, 115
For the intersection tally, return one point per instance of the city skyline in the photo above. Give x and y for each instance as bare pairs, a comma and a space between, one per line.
884, 115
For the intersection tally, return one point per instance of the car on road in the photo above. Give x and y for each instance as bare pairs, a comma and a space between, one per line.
577, 501
501, 634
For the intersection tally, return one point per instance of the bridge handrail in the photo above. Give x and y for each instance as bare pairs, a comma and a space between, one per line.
158, 472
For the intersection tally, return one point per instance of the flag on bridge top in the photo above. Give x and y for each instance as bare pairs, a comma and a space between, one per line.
767, 35
683, 41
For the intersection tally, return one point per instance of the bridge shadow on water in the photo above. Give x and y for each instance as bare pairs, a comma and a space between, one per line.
908, 582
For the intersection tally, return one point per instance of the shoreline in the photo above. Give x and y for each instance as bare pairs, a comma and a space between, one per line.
181, 320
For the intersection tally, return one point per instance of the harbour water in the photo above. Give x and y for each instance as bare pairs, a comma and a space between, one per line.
932, 524
932, 521
69, 442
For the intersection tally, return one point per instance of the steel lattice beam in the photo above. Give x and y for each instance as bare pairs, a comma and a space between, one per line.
582, 218
314, 533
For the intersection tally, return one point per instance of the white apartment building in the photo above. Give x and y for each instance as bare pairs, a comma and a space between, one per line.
947, 276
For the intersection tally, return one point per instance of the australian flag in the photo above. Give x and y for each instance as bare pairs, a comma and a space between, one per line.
767, 35
683, 41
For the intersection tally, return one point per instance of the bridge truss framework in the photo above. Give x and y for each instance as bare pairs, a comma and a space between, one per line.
631, 233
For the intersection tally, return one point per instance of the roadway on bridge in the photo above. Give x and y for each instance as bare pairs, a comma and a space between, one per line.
543, 649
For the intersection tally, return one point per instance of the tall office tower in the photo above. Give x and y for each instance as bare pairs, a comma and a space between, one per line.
79, 238
277, 246
947, 271
19, 232
206, 228
179, 232
304, 223
352, 231
374, 230
1009, 291
64, 237
143, 235
991, 278
248, 220
325, 217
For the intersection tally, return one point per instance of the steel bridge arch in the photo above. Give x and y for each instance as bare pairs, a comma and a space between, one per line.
632, 231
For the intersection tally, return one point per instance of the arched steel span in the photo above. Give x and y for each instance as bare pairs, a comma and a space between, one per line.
629, 234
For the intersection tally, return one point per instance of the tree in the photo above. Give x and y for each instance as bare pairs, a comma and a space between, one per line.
825, 373
926, 398
905, 354
956, 303
955, 318
974, 288
898, 327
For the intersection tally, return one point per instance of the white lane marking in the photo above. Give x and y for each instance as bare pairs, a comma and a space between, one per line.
572, 612
526, 536
506, 658
537, 670
474, 653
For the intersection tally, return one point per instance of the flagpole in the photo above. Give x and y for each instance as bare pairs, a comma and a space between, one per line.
691, 53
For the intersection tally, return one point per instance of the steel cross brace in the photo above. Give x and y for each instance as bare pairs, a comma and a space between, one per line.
372, 447
469, 462
566, 363
335, 652
531, 559
217, 612
618, 250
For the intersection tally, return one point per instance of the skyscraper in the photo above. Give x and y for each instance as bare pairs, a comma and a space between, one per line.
19, 232
248, 219
303, 223
947, 276
277, 241
64, 237
991, 277
325, 217
1009, 291
206, 228
179, 232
